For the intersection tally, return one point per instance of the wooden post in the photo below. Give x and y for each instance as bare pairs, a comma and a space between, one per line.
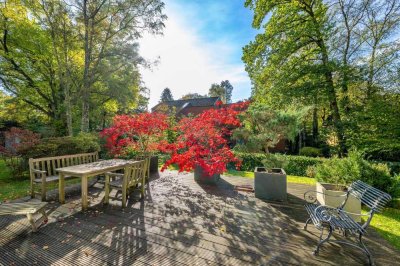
32, 175
84, 192
107, 189
31, 221
124, 189
61, 192
44, 186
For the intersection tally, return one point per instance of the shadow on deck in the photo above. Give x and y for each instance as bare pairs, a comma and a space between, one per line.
179, 223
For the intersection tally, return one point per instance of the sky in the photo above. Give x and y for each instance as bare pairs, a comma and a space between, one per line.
202, 44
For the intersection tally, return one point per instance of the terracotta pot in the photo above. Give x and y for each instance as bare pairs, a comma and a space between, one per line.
201, 177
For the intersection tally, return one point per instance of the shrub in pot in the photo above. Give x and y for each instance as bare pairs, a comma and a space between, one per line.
335, 174
136, 136
202, 143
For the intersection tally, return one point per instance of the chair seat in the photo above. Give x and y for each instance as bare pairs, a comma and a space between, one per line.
335, 218
52, 178
21, 208
116, 183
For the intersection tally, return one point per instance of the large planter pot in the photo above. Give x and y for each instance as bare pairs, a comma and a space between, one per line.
270, 184
153, 164
352, 205
201, 177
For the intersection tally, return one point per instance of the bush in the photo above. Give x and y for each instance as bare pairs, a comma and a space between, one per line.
387, 152
311, 152
82, 143
355, 167
293, 165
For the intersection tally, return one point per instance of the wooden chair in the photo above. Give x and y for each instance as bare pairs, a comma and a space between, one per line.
147, 167
26, 208
43, 170
134, 177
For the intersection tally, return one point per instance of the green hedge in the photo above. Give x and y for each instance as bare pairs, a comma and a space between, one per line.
82, 143
294, 165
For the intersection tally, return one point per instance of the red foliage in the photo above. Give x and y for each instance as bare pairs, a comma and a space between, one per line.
141, 132
19, 139
203, 140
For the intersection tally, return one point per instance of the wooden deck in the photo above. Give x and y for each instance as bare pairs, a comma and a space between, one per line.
179, 223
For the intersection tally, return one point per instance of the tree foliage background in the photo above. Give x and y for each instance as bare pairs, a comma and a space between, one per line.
72, 64
339, 56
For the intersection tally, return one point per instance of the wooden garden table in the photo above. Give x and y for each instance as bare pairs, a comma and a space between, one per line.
84, 171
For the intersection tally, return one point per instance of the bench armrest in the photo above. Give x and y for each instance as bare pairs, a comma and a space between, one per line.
38, 171
311, 195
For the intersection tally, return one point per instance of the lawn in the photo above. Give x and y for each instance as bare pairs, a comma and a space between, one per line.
11, 188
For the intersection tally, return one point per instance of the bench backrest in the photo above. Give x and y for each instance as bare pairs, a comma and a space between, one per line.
373, 198
50, 164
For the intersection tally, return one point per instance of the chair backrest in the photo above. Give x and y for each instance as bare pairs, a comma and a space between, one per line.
49, 164
147, 159
135, 172
373, 198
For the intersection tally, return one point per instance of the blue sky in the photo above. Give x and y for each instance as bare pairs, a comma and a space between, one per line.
202, 44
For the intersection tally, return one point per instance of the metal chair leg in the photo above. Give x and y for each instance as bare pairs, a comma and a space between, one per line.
316, 251
307, 222
370, 260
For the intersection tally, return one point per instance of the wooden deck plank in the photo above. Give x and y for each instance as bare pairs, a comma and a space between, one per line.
183, 223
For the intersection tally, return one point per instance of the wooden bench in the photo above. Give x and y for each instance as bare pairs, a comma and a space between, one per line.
336, 219
26, 208
42, 170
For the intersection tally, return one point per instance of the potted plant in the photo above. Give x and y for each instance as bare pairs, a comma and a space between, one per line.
202, 143
333, 176
136, 136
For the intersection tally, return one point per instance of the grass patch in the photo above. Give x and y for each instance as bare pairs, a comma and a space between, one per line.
12, 188
290, 178
387, 224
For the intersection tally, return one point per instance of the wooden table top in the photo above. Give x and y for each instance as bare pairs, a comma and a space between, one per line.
95, 167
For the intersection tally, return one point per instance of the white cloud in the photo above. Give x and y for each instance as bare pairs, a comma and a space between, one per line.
188, 63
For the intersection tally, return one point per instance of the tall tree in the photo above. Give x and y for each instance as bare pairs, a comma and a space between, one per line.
222, 90
109, 28
166, 95
294, 48
192, 96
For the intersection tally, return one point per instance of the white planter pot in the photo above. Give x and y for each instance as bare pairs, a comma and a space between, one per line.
352, 205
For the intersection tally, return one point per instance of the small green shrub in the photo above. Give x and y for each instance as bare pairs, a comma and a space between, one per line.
293, 165
387, 152
355, 167
82, 143
311, 152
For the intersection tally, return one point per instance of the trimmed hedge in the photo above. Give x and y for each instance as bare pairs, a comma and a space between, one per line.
295, 165
311, 152
82, 143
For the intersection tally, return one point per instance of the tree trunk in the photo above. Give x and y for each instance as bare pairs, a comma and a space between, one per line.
315, 125
337, 122
371, 70
86, 84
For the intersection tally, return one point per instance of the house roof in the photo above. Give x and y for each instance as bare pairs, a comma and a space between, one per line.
180, 105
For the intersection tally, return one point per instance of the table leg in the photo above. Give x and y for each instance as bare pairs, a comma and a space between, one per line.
106, 189
124, 190
84, 192
61, 192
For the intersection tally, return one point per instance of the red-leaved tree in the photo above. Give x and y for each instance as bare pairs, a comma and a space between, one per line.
203, 140
142, 133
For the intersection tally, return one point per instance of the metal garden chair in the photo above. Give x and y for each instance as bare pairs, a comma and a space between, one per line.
337, 219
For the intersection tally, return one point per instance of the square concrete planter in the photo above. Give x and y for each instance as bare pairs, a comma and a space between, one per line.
352, 205
201, 177
270, 184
